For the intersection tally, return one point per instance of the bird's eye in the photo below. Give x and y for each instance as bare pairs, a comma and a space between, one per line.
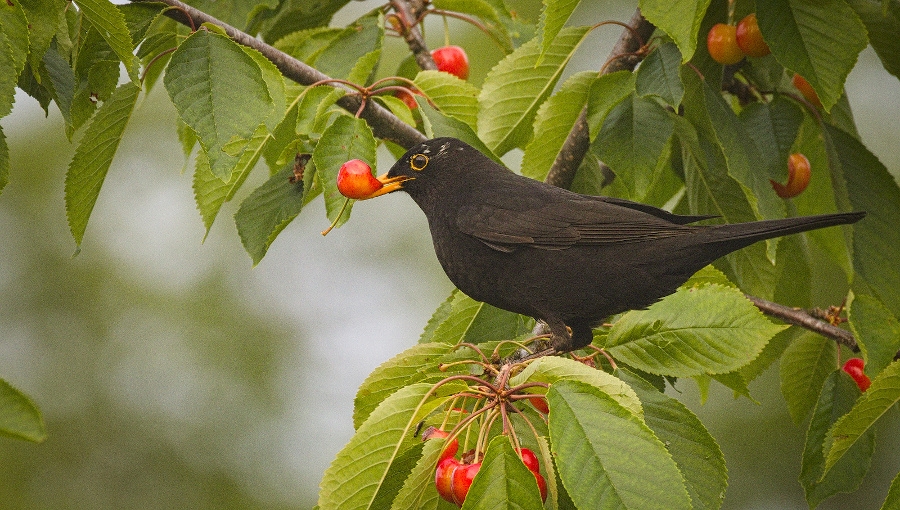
418, 162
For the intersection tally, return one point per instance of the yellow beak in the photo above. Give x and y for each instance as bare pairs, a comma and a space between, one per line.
389, 184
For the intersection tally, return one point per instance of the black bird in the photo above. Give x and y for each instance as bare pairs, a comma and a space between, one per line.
561, 257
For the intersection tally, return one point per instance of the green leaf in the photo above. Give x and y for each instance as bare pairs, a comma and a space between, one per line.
774, 126
805, 364
837, 397
437, 124
296, 15
395, 373
692, 447
632, 142
110, 23
453, 97
340, 57
701, 330
345, 139
361, 467
606, 92
418, 490
551, 369
44, 16
398, 108
94, 156
818, 40
553, 17
680, 19
883, 25
274, 84
875, 239
554, 121
19, 417
475, 322
503, 481
489, 15
219, 91
515, 88
437, 318
882, 395
589, 431
14, 46
267, 211
876, 329
892, 502
660, 75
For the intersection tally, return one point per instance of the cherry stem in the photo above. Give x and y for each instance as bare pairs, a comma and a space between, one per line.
186, 15
337, 219
153, 61
472, 21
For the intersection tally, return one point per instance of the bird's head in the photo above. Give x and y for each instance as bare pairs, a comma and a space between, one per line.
427, 166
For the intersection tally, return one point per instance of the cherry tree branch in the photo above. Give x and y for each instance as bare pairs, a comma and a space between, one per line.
384, 124
409, 12
802, 318
622, 57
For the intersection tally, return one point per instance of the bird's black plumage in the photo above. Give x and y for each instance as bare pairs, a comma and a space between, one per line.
561, 257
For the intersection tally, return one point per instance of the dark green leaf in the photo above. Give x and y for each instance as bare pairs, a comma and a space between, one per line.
805, 364
94, 156
660, 75
892, 502
692, 447
418, 489
773, 126
265, 213
475, 322
437, 124
13, 51
503, 481
818, 40
836, 398
19, 417
110, 23
678, 18
589, 431
606, 92
877, 331
219, 91
362, 37
883, 25
453, 97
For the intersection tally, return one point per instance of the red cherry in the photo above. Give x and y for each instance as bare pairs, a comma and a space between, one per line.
749, 38
798, 177
408, 99
854, 367
453, 60
540, 403
806, 89
542, 485
722, 44
443, 477
355, 179
462, 480
530, 460
452, 446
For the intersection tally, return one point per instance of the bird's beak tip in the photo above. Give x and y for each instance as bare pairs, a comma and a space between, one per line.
389, 184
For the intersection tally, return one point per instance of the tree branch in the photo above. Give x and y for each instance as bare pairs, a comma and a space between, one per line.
800, 317
384, 124
409, 12
563, 170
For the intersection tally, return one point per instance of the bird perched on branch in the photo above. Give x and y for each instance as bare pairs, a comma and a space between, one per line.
567, 259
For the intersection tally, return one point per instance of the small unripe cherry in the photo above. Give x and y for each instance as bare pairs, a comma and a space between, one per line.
749, 38
722, 44
355, 179
806, 89
453, 60
854, 367
799, 173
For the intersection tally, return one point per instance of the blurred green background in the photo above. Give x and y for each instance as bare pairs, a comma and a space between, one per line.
172, 374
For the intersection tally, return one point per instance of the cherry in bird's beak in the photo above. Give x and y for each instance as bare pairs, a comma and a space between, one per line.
389, 184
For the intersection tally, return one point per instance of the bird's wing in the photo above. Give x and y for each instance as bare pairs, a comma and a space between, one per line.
559, 224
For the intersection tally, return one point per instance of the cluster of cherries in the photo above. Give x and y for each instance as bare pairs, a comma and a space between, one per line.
453, 476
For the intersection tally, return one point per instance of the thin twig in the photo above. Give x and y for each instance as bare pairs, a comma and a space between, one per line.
409, 13
800, 317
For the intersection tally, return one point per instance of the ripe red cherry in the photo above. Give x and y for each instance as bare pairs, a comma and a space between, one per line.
408, 99
453, 60
530, 460
355, 179
462, 480
542, 485
806, 89
449, 450
443, 477
854, 367
798, 177
722, 44
749, 38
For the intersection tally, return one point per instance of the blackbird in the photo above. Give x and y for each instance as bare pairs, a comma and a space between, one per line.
561, 257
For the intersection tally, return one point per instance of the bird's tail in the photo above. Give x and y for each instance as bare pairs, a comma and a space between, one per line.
738, 235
